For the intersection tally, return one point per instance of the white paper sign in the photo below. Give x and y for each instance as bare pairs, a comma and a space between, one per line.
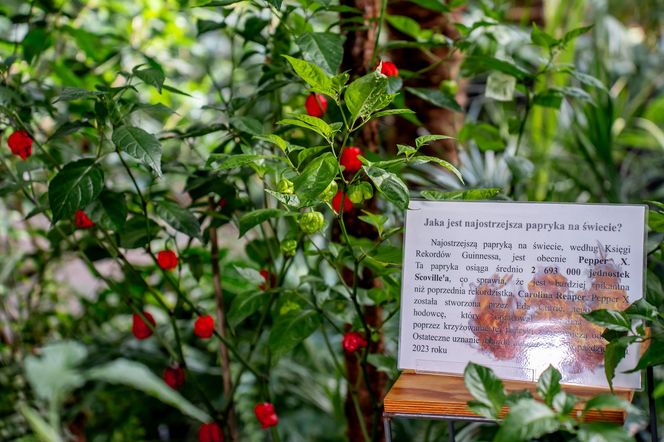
502, 284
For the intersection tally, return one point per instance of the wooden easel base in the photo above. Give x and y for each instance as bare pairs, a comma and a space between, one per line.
444, 397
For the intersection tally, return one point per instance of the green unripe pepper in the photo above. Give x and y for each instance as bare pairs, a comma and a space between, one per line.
286, 186
311, 222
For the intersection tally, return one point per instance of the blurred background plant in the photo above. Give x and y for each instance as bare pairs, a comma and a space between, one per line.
549, 101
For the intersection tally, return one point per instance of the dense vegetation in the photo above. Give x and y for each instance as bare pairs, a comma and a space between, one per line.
202, 201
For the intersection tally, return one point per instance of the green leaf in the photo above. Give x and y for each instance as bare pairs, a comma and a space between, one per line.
244, 305
656, 221
152, 76
74, 187
205, 26
315, 178
436, 97
247, 124
55, 373
387, 112
36, 41
250, 220
376, 220
311, 123
602, 432
75, 93
426, 139
291, 329
642, 309
139, 377
323, 49
408, 26
486, 389
43, 431
472, 194
548, 98
611, 319
276, 140
541, 38
180, 219
614, 353
486, 136
114, 207
548, 385
390, 185
313, 75
528, 419
606, 401
367, 95
654, 355
574, 33
564, 403
139, 144
137, 232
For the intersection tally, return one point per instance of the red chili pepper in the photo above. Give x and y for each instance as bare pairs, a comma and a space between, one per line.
336, 202
139, 328
82, 221
389, 69
210, 433
316, 105
167, 259
174, 377
20, 144
204, 326
266, 415
350, 160
353, 341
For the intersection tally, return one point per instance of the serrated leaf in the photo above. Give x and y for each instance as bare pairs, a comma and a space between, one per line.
436, 97
250, 220
139, 377
315, 178
367, 95
324, 49
180, 219
74, 187
139, 144
291, 329
390, 185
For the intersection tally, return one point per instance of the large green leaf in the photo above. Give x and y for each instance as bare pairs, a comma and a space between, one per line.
390, 185
324, 49
291, 329
611, 319
367, 95
74, 187
55, 373
486, 389
138, 376
250, 220
528, 419
654, 355
548, 384
111, 210
315, 178
312, 123
313, 75
180, 219
139, 144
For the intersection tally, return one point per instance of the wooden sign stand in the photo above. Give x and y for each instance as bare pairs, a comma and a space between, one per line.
445, 397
